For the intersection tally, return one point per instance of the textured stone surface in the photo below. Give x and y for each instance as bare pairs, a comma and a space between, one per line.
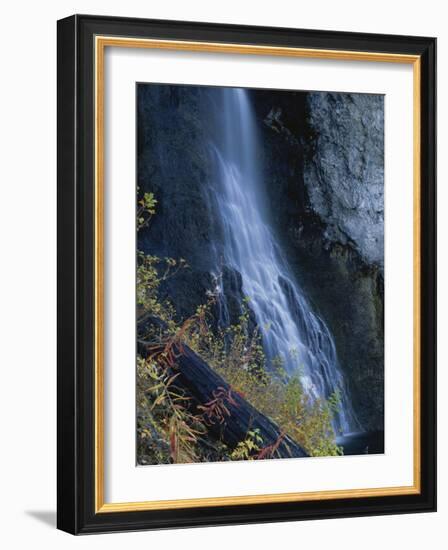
174, 164
324, 164
344, 174
344, 177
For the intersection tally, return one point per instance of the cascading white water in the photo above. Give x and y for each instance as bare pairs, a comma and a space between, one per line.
290, 330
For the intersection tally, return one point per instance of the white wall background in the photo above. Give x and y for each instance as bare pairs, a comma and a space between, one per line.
28, 272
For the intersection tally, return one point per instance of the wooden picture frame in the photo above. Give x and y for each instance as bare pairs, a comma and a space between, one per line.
82, 41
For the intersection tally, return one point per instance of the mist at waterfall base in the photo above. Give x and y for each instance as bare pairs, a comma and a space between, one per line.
292, 331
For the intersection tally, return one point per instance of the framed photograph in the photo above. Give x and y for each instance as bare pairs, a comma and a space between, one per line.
246, 271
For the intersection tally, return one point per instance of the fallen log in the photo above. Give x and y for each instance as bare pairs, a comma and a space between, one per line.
228, 416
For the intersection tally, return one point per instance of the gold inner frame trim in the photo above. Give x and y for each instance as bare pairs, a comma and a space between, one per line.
101, 42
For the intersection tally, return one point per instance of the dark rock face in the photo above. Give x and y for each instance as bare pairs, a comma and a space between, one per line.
322, 162
325, 168
344, 174
173, 163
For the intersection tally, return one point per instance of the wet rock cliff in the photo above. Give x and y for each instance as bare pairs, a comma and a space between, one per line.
324, 162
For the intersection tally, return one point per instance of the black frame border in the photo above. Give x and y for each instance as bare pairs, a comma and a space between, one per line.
76, 224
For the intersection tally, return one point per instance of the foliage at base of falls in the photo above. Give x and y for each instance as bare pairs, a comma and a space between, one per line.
167, 430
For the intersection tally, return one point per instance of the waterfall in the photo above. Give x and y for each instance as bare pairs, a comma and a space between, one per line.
290, 329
